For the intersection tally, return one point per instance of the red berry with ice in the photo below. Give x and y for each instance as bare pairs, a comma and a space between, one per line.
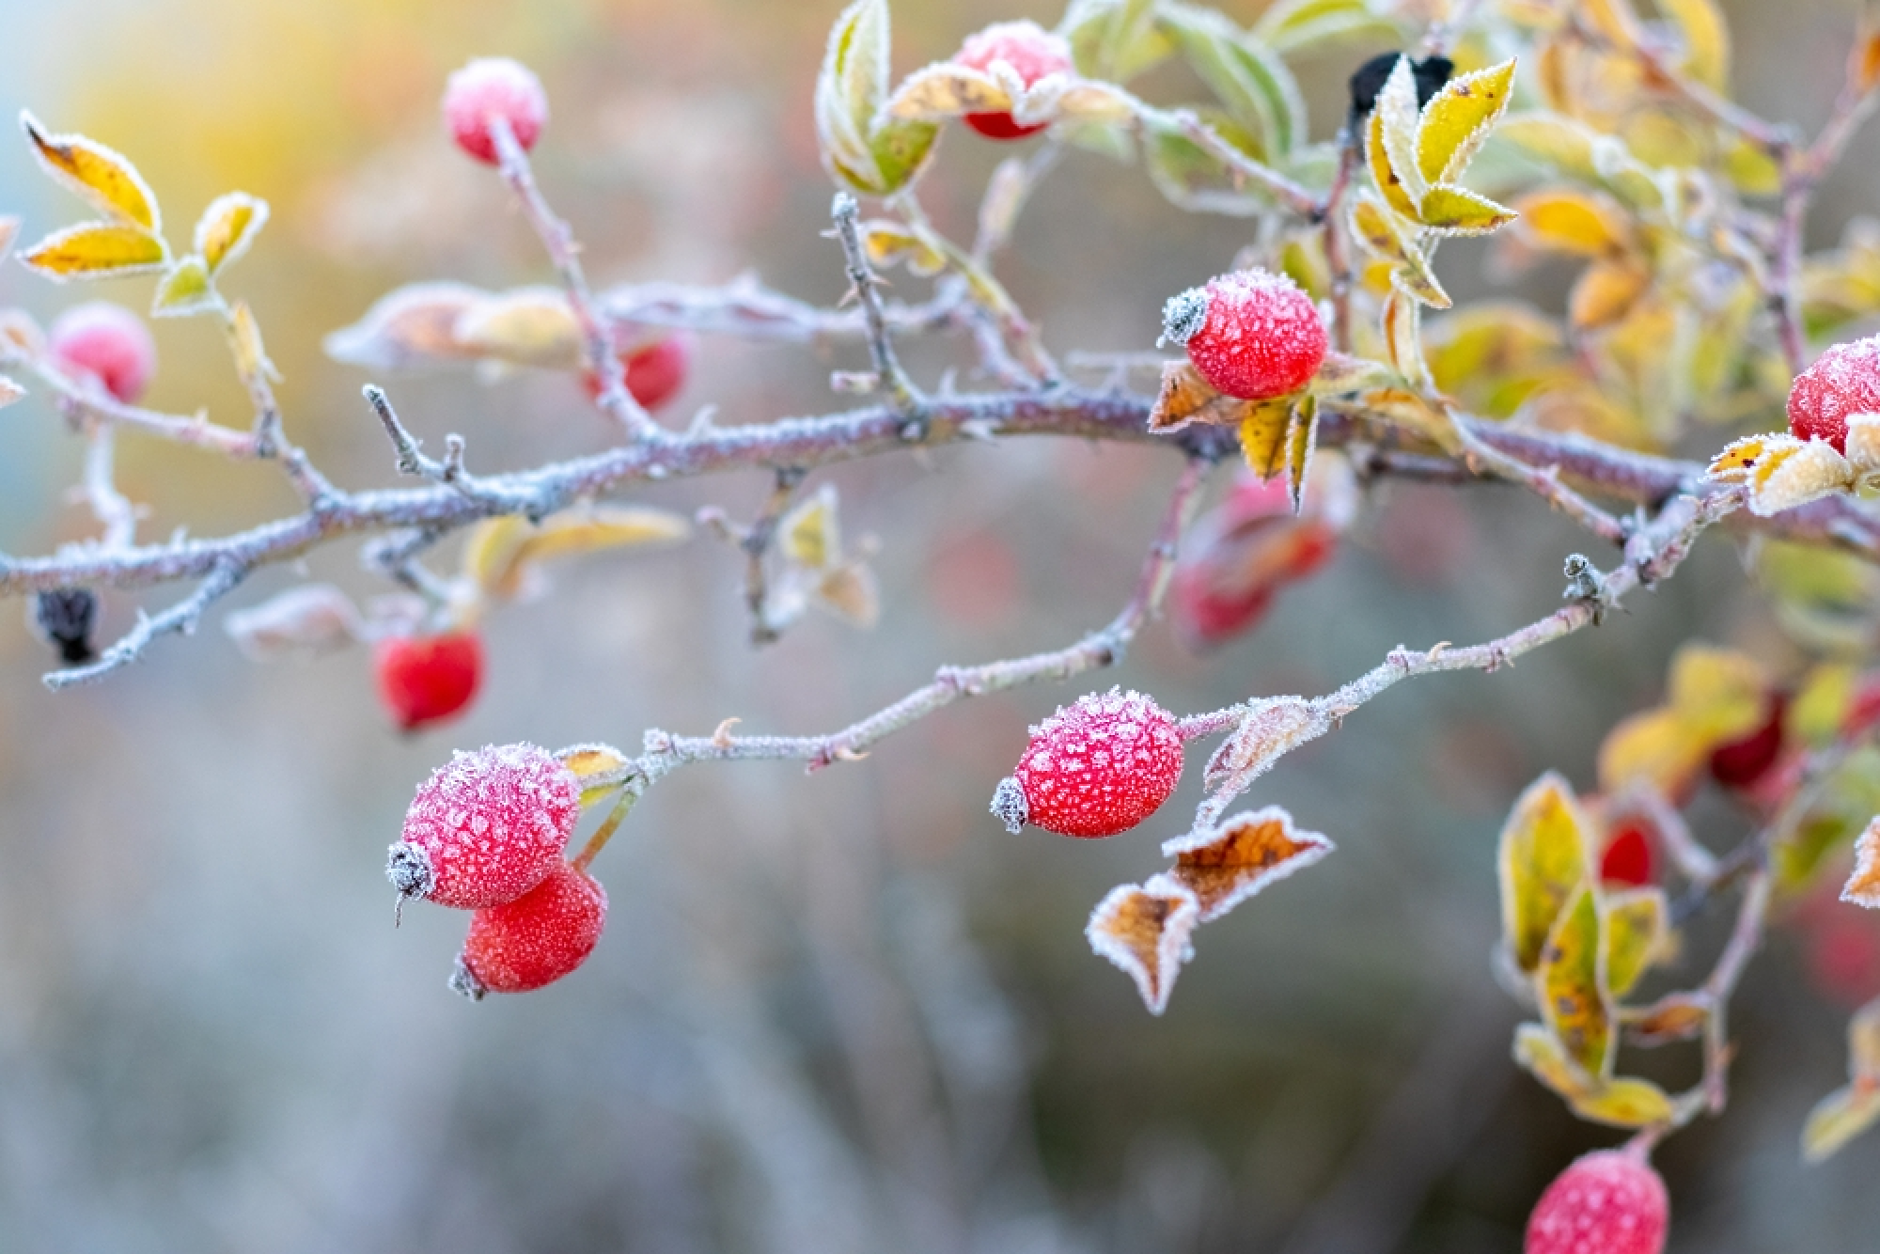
1095, 768
1606, 1202
1252, 334
489, 88
654, 373
107, 342
427, 679
1030, 51
486, 827
1844, 381
535, 939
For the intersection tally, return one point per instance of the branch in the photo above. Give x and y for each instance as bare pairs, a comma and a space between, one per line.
179, 619
864, 287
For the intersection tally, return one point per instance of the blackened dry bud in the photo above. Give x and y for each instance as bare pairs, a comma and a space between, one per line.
1430, 74
67, 615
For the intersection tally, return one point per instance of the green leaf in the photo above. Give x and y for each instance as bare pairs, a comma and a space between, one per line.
1253, 84
900, 150
1636, 924
1458, 118
93, 250
850, 90
1571, 991
1193, 178
1706, 39
1295, 24
1542, 861
1838, 1118
1114, 39
184, 290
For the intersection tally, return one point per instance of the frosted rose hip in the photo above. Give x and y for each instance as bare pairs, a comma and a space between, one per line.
1031, 51
535, 939
654, 373
1095, 768
1606, 1202
1844, 381
486, 827
427, 679
1252, 334
492, 87
107, 342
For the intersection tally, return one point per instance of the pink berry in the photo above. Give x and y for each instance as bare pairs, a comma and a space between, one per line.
1606, 1202
535, 939
486, 828
107, 342
489, 88
1095, 768
1251, 334
1031, 51
428, 679
1844, 381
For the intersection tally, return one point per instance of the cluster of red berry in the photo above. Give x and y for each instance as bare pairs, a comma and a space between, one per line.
487, 833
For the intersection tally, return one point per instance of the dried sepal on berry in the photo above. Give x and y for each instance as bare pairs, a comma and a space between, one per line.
534, 940
1145, 930
1230, 862
1097, 767
486, 827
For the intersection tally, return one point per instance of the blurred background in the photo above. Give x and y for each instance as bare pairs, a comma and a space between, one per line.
841, 1013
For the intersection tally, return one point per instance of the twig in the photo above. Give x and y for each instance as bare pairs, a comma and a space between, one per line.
864, 287
180, 619
112, 509
495, 497
597, 342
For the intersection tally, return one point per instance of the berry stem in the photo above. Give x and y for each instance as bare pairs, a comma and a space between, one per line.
605, 832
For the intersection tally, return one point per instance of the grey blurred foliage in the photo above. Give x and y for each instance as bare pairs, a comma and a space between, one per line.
839, 1014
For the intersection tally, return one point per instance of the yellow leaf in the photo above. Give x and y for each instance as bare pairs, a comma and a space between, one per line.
1821, 703
96, 250
1786, 478
889, 243
1575, 222
1459, 211
1541, 860
1706, 39
1301, 434
184, 290
1838, 1118
1606, 293
1655, 747
1224, 866
1403, 338
1536, 1049
809, 534
945, 90
251, 358
1458, 118
1636, 926
1739, 457
500, 552
104, 178
527, 327
1389, 237
1863, 62
1624, 1102
1568, 985
228, 226
1493, 355
587, 762
1144, 929
1263, 435
1388, 184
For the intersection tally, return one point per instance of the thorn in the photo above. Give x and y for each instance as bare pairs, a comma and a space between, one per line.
721, 738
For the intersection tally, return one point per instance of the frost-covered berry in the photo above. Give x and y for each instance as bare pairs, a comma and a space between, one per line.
1252, 334
486, 827
427, 679
535, 939
1031, 51
1844, 381
1095, 768
488, 88
654, 373
1606, 1202
107, 342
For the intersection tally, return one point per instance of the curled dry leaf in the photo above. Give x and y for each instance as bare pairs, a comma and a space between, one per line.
1673, 1017
408, 326
303, 622
1145, 930
1863, 886
1270, 729
1226, 864
1187, 397
1458, 119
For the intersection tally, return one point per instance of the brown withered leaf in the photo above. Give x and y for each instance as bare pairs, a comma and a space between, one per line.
1187, 397
1232, 861
1863, 886
1271, 728
1145, 929
1673, 1017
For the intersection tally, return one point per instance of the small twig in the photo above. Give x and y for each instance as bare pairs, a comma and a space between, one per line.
864, 288
499, 498
111, 507
756, 541
179, 619
597, 341
1337, 245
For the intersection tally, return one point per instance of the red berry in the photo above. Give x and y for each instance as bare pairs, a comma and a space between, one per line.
486, 827
1628, 859
489, 88
1606, 1202
1241, 556
1844, 381
1252, 334
1863, 708
1032, 53
107, 342
426, 679
1095, 768
535, 939
1741, 762
654, 373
